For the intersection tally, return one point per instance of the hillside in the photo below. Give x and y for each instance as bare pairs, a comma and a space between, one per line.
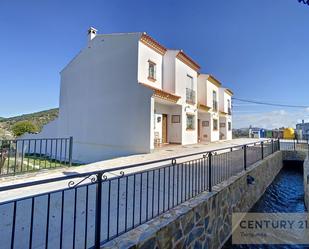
38, 118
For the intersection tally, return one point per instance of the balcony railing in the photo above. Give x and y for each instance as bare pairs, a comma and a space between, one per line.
190, 96
215, 106
229, 111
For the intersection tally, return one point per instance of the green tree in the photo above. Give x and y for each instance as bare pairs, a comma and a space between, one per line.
23, 127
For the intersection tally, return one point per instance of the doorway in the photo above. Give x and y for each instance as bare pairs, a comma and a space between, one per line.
164, 128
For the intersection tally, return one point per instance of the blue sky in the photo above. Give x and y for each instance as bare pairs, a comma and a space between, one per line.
258, 48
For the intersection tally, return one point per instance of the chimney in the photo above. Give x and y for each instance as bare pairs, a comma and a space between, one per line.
92, 32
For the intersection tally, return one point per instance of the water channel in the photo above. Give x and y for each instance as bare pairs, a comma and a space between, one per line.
284, 195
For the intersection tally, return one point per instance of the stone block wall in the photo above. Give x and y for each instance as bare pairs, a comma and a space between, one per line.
306, 182
294, 155
204, 221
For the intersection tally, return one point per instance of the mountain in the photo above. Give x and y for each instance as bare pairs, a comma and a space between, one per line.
38, 118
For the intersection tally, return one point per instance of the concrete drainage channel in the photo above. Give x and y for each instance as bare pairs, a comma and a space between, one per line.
205, 221
284, 195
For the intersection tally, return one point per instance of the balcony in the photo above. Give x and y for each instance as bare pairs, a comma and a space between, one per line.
229, 111
215, 106
190, 96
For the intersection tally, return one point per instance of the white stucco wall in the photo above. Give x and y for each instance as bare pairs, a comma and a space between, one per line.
181, 76
205, 131
229, 135
49, 130
169, 71
201, 89
223, 100
146, 54
158, 125
101, 103
223, 107
210, 87
174, 132
205, 96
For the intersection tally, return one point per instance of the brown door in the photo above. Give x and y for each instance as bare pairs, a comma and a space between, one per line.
198, 130
164, 128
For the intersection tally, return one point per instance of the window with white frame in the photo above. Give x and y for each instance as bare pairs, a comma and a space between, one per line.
229, 126
151, 70
190, 122
190, 93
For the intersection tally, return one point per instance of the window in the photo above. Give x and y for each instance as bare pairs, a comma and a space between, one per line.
222, 125
214, 101
229, 110
190, 82
205, 123
190, 93
152, 71
214, 95
175, 119
229, 126
190, 122
215, 123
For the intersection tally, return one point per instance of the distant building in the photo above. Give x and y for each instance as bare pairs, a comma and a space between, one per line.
302, 130
255, 132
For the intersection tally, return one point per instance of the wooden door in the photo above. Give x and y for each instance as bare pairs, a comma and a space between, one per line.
164, 128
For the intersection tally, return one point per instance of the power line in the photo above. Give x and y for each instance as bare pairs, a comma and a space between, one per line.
270, 104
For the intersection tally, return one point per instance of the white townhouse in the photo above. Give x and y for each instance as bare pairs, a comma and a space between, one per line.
214, 110
225, 113
125, 93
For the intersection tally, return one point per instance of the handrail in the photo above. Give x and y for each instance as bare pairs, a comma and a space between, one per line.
80, 175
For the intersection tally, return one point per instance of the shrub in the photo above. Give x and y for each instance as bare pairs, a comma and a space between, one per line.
23, 127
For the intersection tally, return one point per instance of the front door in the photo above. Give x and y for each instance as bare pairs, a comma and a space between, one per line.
164, 128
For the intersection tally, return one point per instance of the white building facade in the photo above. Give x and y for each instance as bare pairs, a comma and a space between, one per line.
125, 94
214, 110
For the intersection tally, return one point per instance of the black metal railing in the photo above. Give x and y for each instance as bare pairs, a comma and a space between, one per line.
190, 96
229, 111
89, 209
26, 155
215, 105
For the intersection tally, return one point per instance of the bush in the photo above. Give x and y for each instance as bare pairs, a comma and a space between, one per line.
23, 127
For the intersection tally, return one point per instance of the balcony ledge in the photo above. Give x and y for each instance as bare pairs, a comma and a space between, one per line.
159, 93
203, 107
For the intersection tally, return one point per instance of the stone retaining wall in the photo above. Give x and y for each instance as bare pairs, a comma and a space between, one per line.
204, 221
306, 182
294, 155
